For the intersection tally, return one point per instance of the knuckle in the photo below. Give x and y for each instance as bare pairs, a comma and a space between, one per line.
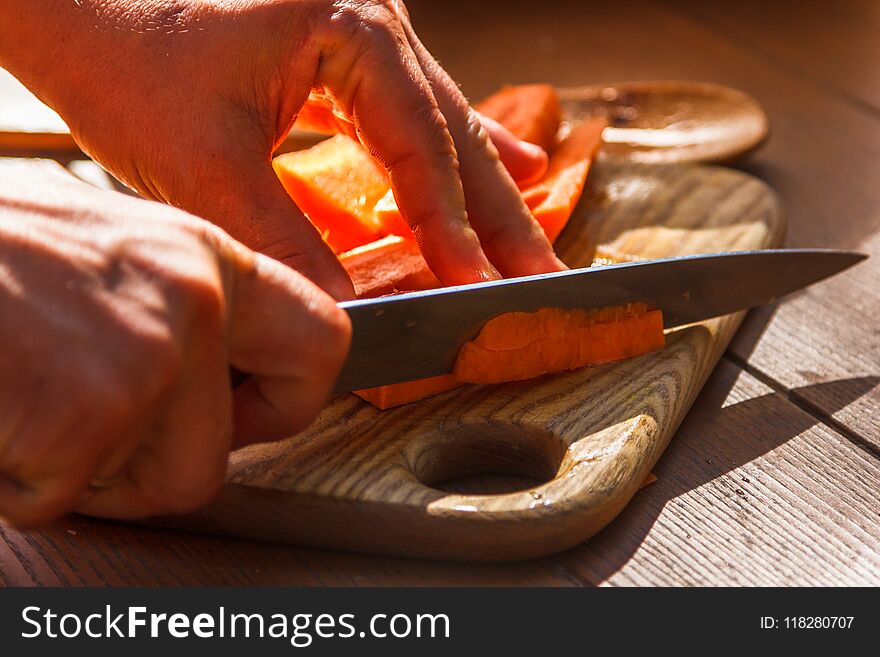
477, 136
184, 494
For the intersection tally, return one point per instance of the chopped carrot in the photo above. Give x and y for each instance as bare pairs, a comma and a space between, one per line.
398, 394
516, 346
553, 198
392, 264
337, 185
530, 111
560, 340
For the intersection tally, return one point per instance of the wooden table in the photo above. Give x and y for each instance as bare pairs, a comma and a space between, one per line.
774, 478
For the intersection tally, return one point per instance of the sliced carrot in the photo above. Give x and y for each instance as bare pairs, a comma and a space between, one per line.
516, 346
337, 185
529, 111
388, 217
403, 393
392, 264
591, 343
553, 198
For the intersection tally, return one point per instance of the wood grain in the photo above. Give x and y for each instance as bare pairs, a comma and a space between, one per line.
831, 198
360, 479
752, 491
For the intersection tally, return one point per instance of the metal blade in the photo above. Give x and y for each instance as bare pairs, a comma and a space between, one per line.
418, 334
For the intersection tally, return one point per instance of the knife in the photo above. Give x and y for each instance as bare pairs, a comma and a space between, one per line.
418, 334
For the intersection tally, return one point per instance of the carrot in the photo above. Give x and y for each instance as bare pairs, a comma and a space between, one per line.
392, 264
337, 185
529, 111
562, 340
553, 198
398, 394
516, 346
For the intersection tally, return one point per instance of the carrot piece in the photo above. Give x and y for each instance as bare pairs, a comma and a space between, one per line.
529, 111
593, 342
516, 346
391, 264
403, 393
337, 185
553, 198
388, 217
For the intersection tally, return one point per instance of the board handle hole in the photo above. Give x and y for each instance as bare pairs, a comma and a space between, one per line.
486, 458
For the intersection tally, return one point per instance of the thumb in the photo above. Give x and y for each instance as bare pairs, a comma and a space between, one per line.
287, 333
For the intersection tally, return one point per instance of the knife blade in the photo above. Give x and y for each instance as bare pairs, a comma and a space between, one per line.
419, 334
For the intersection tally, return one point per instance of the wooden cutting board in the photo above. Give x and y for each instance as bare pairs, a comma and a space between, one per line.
579, 444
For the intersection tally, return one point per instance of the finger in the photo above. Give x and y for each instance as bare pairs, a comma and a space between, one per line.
293, 338
376, 79
248, 201
319, 115
525, 162
46, 466
180, 462
511, 238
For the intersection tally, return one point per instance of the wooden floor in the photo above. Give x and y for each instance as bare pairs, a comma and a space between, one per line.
774, 478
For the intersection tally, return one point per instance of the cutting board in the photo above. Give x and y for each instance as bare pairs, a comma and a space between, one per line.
522, 469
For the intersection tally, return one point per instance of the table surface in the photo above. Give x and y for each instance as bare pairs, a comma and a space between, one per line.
774, 477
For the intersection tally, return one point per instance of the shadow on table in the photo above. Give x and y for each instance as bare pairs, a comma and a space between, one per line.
713, 441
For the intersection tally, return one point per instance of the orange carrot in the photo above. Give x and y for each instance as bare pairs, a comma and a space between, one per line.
563, 340
392, 264
403, 393
516, 346
337, 185
529, 111
553, 198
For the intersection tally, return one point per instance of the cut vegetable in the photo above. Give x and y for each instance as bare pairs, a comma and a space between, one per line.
529, 111
516, 346
520, 346
337, 185
392, 264
553, 198
398, 394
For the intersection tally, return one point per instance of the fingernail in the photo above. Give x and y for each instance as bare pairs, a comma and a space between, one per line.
532, 150
489, 273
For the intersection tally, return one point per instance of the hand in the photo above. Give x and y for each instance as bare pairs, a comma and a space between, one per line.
185, 100
119, 319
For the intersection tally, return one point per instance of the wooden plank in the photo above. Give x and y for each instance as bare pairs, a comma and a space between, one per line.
752, 491
85, 552
806, 514
823, 158
834, 43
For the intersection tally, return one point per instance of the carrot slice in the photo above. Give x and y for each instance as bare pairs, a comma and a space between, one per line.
392, 264
398, 394
553, 198
516, 346
337, 185
529, 111
585, 341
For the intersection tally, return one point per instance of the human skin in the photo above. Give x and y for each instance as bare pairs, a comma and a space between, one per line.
185, 100
119, 320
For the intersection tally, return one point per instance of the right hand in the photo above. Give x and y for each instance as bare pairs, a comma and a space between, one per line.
119, 319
